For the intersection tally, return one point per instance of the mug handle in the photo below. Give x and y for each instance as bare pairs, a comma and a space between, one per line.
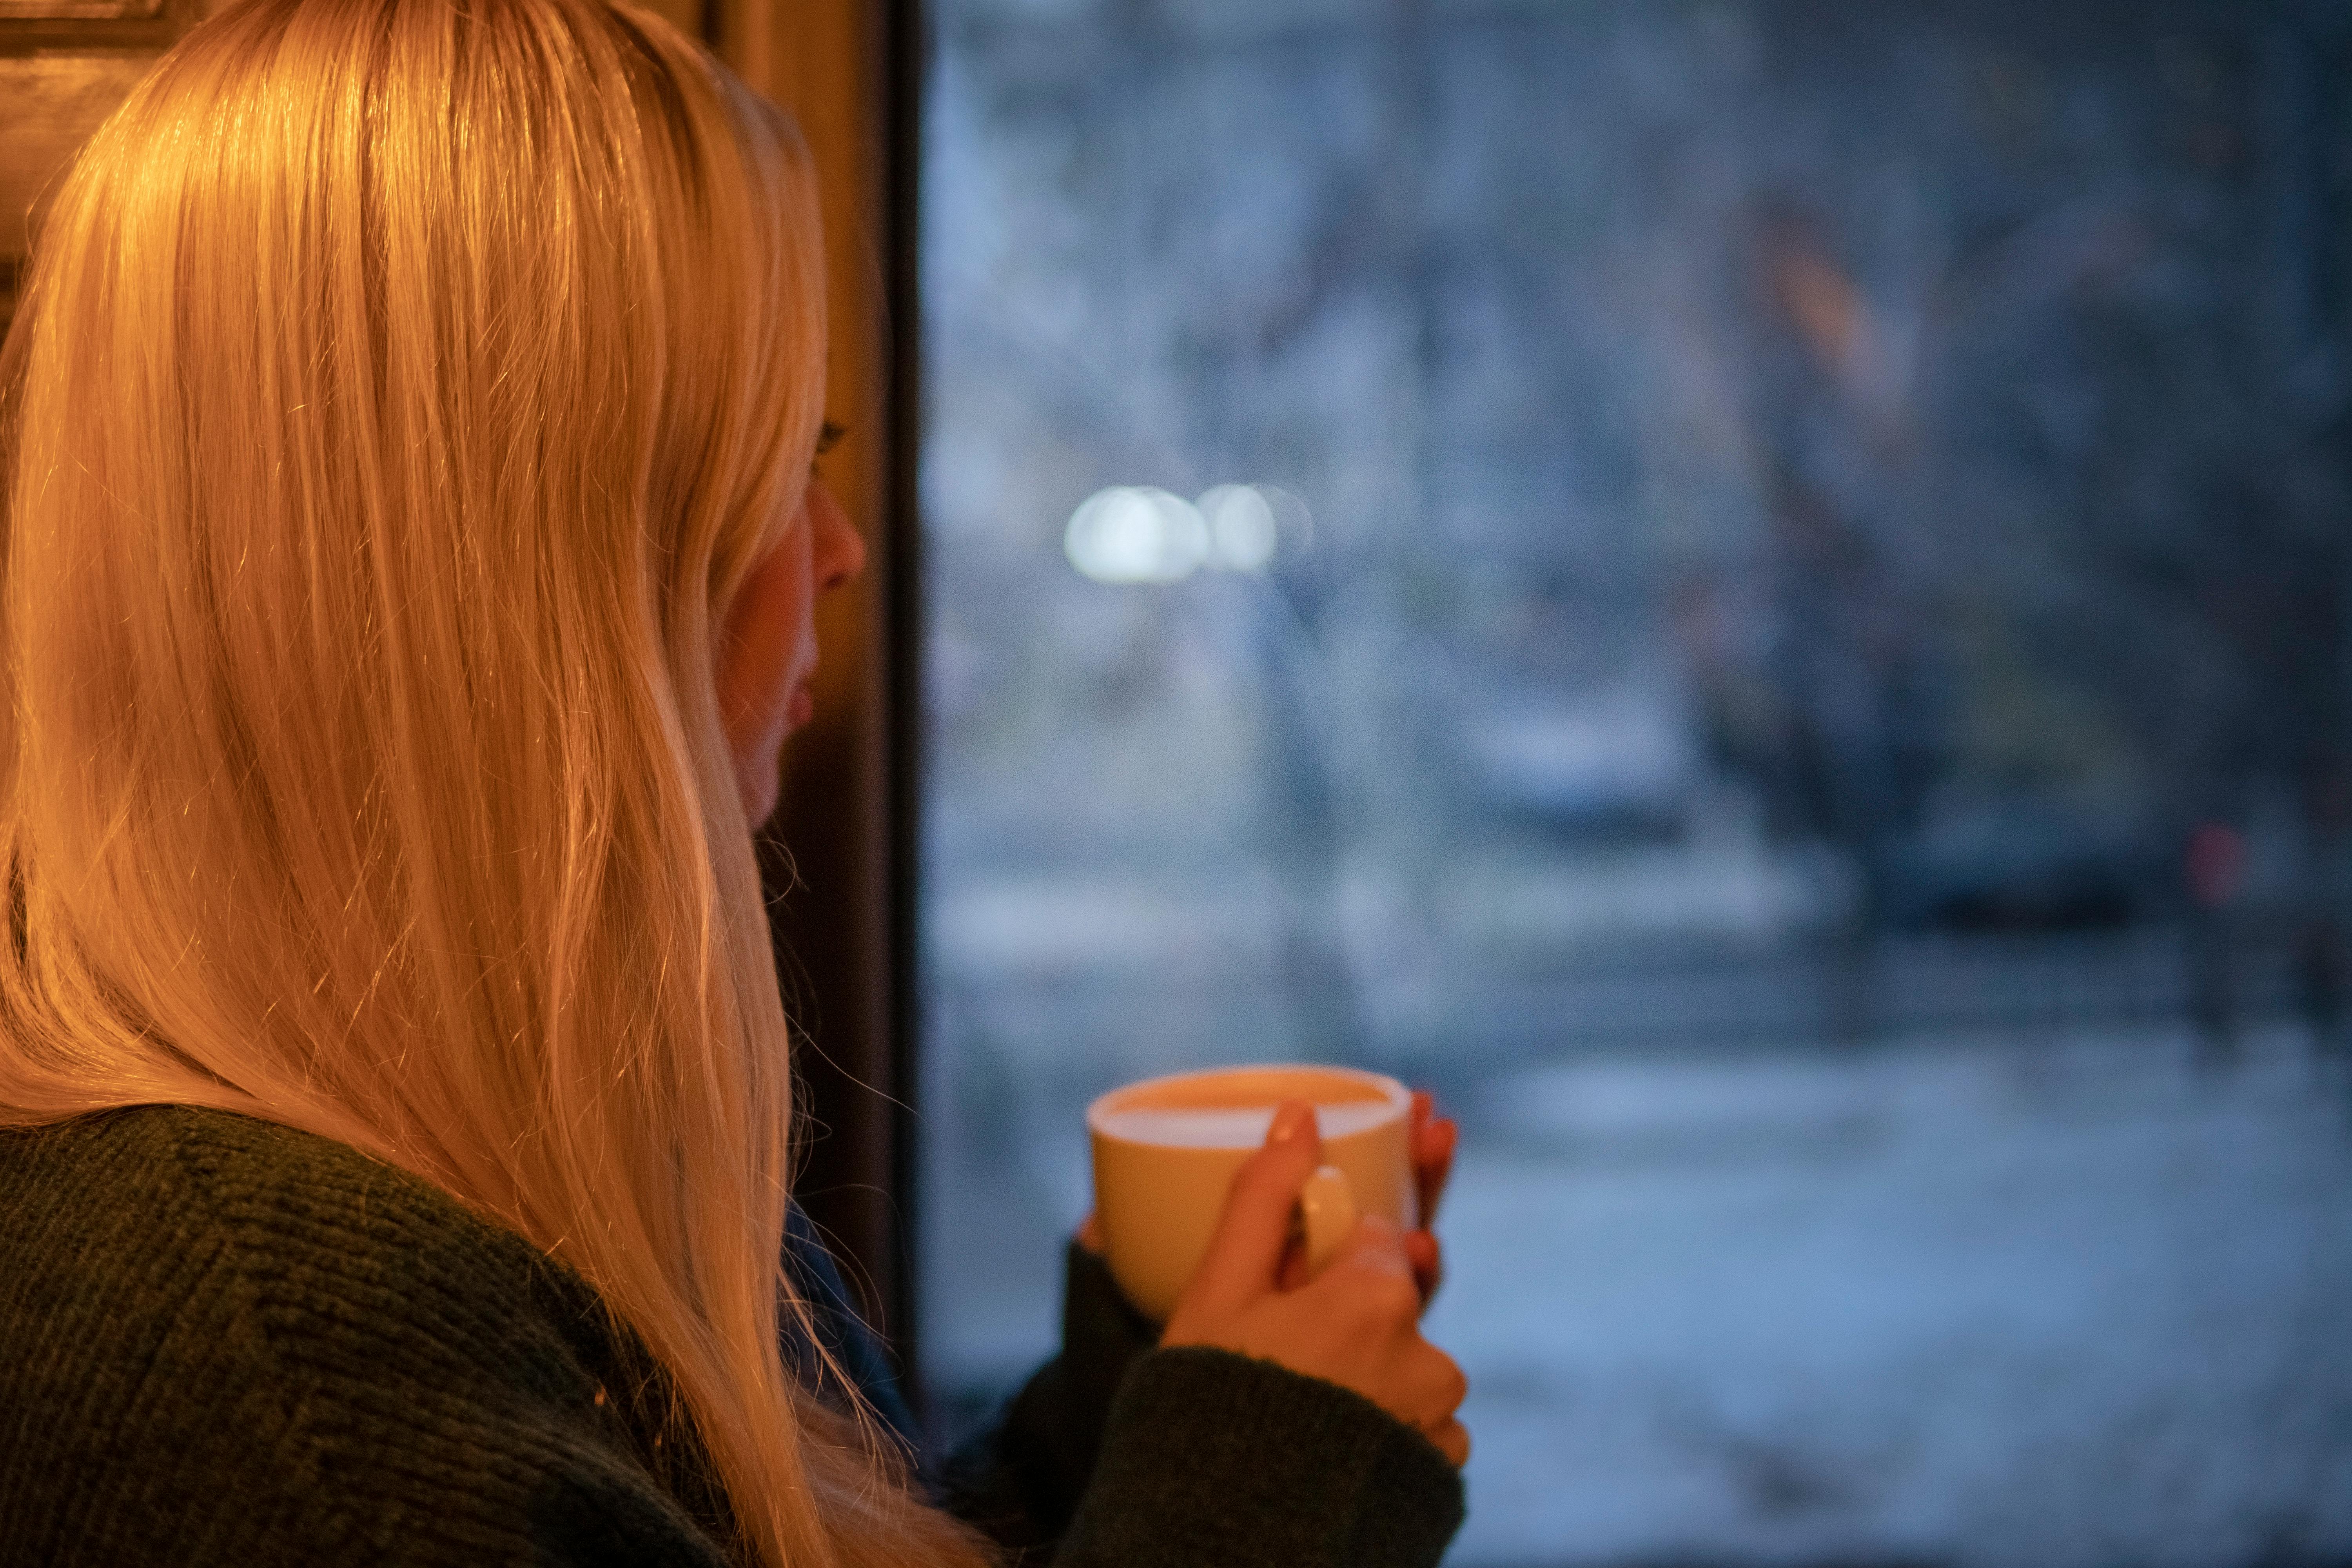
1326, 1215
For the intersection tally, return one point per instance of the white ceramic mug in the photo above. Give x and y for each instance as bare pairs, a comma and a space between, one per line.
1166, 1150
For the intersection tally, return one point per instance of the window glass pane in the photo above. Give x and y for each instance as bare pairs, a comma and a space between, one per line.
1760, 595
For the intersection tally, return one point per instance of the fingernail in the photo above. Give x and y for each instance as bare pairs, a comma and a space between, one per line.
1292, 1122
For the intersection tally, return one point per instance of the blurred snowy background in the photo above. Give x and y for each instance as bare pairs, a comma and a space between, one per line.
1761, 592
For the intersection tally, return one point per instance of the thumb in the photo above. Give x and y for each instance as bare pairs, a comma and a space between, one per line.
1246, 1253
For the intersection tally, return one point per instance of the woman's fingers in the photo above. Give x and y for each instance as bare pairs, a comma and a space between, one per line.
1294, 1271
1371, 1291
1434, 1139
1245, 1255
1431, 1389
1371, 1282
1428, 1262
1453, 1440
1357, 1324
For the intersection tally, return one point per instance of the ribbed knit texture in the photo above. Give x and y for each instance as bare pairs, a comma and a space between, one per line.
1118, 1453
1266, 1468
223, 1342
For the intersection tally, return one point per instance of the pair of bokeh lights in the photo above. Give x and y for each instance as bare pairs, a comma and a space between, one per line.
1135, 533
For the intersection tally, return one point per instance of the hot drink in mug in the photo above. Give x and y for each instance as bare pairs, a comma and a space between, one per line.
1165, 1152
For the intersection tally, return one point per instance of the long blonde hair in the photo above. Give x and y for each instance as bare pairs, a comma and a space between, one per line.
401, 392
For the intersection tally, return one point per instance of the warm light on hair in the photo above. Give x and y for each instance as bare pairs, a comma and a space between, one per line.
401, 392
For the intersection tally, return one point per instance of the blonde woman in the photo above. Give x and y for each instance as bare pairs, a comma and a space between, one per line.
409, 556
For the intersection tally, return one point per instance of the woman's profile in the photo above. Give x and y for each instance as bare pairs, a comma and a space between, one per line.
409, 546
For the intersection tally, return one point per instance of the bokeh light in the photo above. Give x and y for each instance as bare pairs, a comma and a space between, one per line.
1241, 527
1135, 533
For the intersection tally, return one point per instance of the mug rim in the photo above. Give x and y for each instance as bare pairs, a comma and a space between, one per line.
1398, 1098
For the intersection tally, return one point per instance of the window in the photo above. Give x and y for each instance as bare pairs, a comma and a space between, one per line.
1759, 593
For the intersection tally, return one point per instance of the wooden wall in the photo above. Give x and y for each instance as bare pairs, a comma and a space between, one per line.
64, 64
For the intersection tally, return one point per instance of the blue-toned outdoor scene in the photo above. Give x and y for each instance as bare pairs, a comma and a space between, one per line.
1757, 592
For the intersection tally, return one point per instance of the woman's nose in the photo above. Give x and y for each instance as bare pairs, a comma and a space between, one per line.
837, 553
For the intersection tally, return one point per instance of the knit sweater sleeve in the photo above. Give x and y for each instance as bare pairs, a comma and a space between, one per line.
222, 1344
1120, 1453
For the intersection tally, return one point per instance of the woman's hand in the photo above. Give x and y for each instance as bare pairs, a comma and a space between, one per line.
1357, 1324
1432, 1140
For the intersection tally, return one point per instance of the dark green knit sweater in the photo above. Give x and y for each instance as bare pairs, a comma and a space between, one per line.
224, 1343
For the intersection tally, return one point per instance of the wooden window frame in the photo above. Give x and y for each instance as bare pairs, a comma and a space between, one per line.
839, 861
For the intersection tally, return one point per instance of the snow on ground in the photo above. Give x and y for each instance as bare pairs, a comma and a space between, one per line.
1990, 1301
1966, 1301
